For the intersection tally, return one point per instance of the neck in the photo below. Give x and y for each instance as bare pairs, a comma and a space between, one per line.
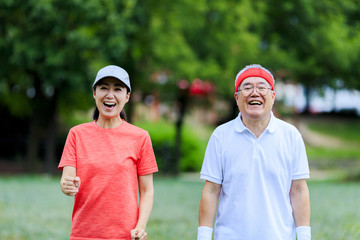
256, 125
109, 122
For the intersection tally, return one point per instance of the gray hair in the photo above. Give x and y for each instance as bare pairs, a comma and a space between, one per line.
253, 66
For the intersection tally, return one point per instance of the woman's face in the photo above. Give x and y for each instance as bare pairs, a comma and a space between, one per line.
110, 97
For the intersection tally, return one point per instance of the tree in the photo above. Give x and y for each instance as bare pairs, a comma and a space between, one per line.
320, 37
201, 39
51, 51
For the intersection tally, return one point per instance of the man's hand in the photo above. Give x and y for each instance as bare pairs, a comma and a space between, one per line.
138, 233
70, 185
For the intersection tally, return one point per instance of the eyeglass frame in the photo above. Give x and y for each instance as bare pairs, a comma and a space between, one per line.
253, 89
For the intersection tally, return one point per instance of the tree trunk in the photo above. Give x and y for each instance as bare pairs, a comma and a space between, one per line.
51, 134
33, 141
32, 152
182, 105
177, 150
307, 99
50, 147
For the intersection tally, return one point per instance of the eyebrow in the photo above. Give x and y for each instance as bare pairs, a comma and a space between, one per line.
116, 84
247, 84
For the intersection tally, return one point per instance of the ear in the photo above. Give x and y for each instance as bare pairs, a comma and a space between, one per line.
127, 97
273, 96
236, 96
94, 92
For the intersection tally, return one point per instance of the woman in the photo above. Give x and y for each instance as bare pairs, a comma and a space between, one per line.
110, 158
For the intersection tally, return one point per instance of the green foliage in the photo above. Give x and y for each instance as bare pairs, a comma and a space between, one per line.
62, 45
162, 135
321, 38
210, 40
53, 49
193, 149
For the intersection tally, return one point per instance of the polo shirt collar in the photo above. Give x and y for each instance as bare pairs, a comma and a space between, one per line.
272, 124
240, 127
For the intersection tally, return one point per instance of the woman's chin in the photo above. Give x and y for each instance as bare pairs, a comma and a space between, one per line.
108, 115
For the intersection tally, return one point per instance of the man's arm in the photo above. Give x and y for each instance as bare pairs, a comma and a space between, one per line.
300, 201
207, 210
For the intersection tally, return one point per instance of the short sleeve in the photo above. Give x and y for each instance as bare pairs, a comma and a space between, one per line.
146, 163
211, 169
300, 163
68, 157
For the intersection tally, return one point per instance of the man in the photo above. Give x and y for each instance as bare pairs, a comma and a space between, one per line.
255, 168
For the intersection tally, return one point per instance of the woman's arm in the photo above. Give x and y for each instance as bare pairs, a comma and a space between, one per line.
69, 182
146, 192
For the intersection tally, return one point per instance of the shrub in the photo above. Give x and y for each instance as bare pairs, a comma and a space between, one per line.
162, 135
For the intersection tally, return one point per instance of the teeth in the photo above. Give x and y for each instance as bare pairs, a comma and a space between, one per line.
255, 103
110, 103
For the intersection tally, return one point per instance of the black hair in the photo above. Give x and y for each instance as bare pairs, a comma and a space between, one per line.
96, 114
96, 111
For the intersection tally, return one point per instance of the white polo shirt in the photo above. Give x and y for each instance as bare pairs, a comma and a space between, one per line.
256, 175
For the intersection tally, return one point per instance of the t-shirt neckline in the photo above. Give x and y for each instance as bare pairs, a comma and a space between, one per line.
109, 129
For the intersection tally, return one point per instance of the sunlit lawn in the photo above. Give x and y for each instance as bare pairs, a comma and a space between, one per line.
34, 208
347, 129
343, 129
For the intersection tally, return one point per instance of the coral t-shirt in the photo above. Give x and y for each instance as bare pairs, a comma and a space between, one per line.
108, 162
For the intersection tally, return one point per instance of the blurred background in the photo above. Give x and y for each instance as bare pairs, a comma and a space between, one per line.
182, 58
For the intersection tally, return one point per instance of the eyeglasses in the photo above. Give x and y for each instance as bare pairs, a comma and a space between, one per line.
247, 90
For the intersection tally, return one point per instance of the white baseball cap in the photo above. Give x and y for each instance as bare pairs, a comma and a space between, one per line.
115, 72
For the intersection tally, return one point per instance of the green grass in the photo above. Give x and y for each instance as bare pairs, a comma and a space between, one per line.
335, 210
35, 208
346, 156
333, 154
346, 129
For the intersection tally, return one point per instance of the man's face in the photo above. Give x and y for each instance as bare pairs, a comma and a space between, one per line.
254, 100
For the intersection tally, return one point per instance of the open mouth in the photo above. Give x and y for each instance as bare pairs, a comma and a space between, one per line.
109, 104
255, 103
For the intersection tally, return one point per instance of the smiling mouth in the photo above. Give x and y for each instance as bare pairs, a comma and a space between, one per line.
109, 104
255, 103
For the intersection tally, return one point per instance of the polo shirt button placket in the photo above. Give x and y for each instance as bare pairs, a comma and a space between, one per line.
256, 150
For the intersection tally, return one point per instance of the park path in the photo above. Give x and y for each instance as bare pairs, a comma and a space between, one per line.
322, 170
316, 139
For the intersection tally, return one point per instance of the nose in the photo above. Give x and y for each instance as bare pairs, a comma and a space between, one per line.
255, 89
110, 93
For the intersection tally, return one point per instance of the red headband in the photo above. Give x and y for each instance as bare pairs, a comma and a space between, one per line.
254, 72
